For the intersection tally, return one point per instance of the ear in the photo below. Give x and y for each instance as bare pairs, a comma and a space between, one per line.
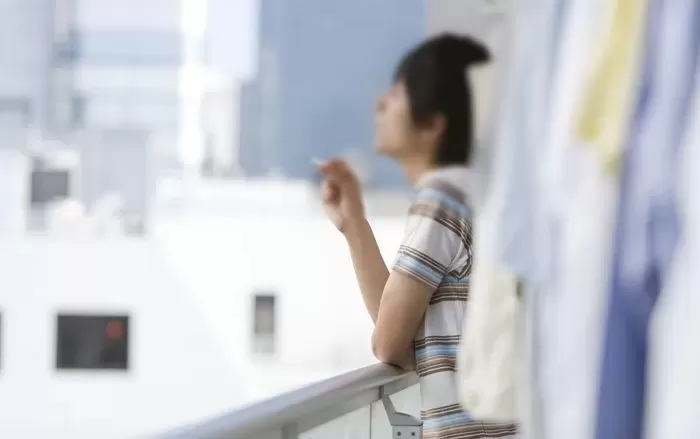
435, 129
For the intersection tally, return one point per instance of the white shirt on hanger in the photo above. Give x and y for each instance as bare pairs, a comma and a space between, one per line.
673, 395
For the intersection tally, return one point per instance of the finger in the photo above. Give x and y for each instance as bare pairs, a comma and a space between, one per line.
325, 169
329, 192
333, 174
340, 170
328, 166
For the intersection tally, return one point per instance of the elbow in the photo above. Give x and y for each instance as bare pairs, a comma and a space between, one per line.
383, 352
391, 353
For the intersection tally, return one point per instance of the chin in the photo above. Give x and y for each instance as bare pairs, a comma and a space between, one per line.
378, 149
381, 149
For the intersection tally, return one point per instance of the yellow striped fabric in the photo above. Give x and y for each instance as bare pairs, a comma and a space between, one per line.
608, 96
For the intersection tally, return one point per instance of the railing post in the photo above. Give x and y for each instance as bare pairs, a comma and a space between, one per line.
290, 431
403, 426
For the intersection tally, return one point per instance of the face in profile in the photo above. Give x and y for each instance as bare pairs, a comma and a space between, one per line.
393, 130
396, 135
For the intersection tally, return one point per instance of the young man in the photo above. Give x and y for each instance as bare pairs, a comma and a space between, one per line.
424, 122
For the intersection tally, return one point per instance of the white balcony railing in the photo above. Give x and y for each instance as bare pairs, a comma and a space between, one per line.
377, 401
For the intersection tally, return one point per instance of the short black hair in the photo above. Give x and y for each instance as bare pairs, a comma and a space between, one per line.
435, 77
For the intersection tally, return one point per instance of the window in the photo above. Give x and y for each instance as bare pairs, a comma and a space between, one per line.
48, 185
92, 342
15, 116
131, 47
77, 111
66, 49
132, 109
264, 323
15, 111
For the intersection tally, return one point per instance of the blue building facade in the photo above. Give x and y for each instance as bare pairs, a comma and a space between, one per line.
321, 66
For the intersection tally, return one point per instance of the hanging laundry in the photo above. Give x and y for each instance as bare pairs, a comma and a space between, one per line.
673, 392
579, 115
609, 95
487, 360
574, 228
647, 229
555, 220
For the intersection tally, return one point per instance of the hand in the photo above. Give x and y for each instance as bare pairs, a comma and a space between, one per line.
341, 194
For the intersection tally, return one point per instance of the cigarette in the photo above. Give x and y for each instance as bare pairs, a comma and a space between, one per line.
317, 161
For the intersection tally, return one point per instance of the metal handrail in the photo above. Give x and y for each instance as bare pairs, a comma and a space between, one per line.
287, 415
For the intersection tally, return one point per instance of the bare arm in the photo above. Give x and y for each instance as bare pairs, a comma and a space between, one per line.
395, 301
370, 269
342, 201
404, 302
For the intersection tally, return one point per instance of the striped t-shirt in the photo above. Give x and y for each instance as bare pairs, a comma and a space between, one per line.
437, 251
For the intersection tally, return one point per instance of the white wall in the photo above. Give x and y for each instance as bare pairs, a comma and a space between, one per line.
14, 191
220, 117
178, 370
323, 327
188, 292
136, 14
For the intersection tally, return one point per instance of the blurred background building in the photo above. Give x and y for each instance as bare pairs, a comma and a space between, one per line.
300, 103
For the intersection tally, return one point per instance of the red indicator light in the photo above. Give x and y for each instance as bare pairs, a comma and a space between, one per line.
114, 329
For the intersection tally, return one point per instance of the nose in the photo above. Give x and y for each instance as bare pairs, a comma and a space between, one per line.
381, 103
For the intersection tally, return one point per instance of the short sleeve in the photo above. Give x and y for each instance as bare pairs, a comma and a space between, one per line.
433, 238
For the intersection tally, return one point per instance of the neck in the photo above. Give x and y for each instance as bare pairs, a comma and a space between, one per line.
414, 170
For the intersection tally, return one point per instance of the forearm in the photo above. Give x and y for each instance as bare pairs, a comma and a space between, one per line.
370, 269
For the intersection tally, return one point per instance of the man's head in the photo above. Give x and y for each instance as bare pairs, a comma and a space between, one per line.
426, 115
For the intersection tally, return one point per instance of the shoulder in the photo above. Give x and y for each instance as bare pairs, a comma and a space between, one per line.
437, 232
439, 219
438, 200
